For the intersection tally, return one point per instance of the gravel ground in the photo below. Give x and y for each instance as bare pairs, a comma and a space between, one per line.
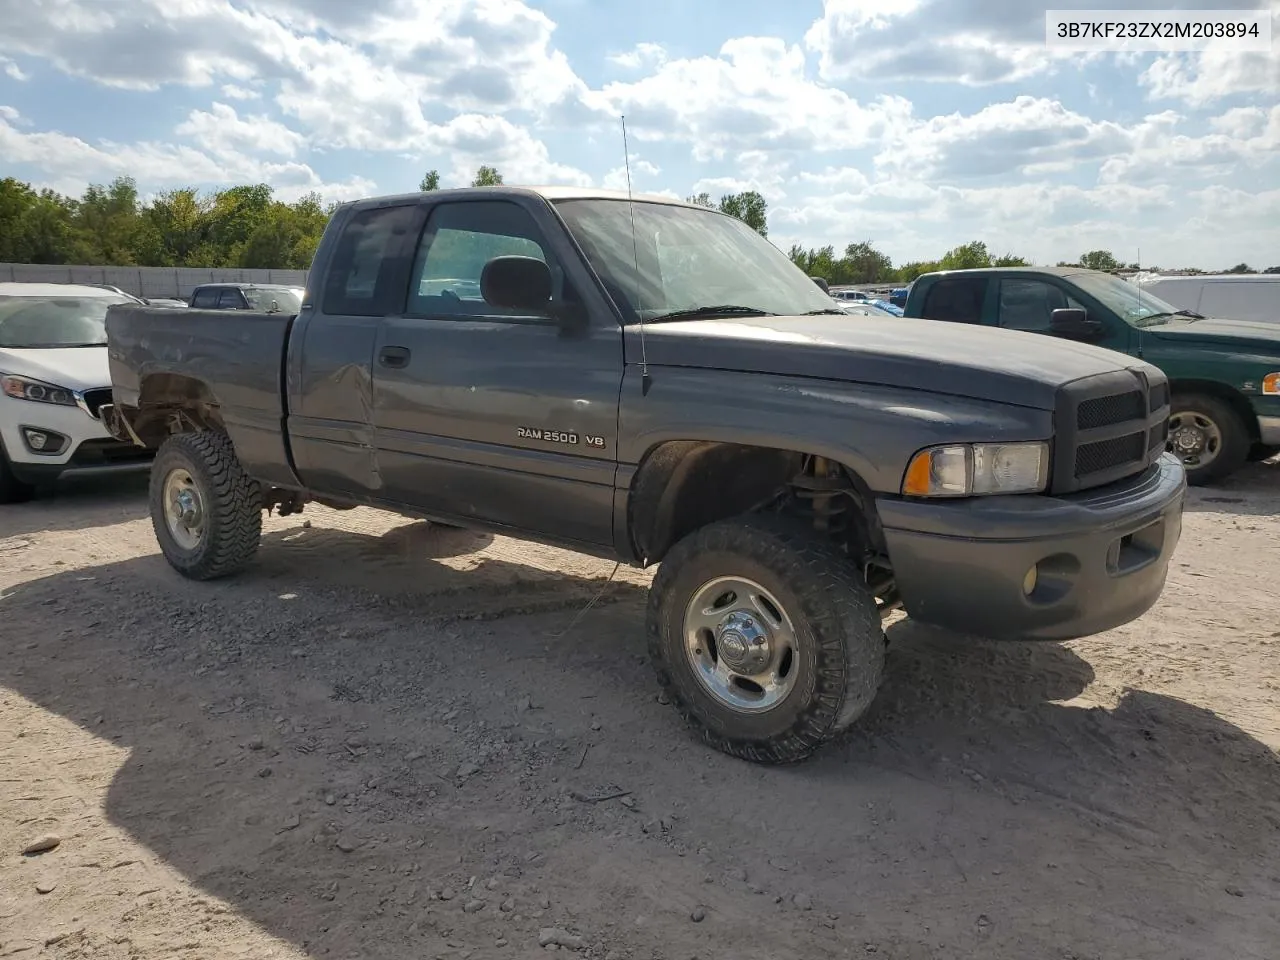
392, 740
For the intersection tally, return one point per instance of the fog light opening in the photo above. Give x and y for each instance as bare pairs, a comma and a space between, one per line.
1030, 580
43, 441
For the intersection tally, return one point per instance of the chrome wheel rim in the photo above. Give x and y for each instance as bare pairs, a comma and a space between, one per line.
741, 643
183, 509
1194, 438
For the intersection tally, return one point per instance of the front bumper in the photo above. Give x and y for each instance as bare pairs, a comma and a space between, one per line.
85, 445
1101, 557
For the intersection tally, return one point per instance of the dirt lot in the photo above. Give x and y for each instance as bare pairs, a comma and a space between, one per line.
391, 740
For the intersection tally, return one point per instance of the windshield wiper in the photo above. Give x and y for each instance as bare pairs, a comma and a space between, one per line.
1170, 313
724, 309
823, 311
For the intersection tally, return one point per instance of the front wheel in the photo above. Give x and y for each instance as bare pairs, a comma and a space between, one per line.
1208, 436
206, 512
765, 638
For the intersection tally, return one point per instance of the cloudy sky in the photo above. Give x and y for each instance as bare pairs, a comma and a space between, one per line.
916, 124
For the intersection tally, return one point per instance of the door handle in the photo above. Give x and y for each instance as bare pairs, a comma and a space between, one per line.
394, 357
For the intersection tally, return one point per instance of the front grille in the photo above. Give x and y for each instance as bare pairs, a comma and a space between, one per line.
1104, 411
1159, 396
1106, 454
1108, 427
95, 399
1159, 436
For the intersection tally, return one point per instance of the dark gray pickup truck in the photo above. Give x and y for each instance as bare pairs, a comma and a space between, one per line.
652, 381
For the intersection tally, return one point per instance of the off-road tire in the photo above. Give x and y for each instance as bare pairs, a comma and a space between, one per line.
232, 505
12, 490
841, 640
1235, 436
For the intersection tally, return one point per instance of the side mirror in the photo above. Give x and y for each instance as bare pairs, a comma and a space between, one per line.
517, 283
822, 284
1072, 323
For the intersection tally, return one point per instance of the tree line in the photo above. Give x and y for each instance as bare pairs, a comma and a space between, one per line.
247, 226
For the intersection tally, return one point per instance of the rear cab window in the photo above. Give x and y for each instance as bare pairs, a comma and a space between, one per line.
205, 298
368, 273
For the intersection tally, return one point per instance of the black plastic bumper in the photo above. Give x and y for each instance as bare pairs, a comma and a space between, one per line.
1101, 557
91, 457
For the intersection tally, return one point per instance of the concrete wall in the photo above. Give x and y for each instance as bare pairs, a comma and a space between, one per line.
146, 281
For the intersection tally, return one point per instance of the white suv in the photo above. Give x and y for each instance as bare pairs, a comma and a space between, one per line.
54, 378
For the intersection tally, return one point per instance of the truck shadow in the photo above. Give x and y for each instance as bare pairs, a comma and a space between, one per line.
443, 737
79, 503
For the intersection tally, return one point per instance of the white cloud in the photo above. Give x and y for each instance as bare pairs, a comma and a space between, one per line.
234, 92
645, 55
616, 179
1203, 78
221, 131
71, 160
754, 95
13, 71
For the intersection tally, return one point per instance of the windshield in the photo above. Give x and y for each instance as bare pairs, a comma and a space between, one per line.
288, 299
1131, 303
688, 258
33, 323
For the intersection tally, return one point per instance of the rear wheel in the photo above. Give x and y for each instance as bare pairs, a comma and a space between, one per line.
206, 512
12, 490
765, 637
1208, 436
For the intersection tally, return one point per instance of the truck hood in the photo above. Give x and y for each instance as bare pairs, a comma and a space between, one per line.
76, 368
1233, 333
981, 363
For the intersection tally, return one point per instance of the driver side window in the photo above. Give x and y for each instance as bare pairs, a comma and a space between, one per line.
1029, 304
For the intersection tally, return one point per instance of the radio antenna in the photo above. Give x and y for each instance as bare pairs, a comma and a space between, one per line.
635, 253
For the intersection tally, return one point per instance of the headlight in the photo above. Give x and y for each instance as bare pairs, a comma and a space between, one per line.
963, 470
22, 388
1271, 384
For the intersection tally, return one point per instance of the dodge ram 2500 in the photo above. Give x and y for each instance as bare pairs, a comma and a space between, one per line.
652, 381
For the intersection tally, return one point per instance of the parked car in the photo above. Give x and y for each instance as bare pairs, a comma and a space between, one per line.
1233, 296
54, 380
653, 381
866, 308
887, 306
1225, 374
268, 298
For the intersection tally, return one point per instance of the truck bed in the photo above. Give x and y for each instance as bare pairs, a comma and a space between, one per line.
237, 356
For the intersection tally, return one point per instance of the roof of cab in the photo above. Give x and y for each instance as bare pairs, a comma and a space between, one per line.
20, 289
550, 193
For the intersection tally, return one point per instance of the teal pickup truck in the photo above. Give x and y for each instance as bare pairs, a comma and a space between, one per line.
1225, 374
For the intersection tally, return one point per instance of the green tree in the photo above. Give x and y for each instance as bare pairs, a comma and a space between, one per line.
863, 263
1009, 260
1242, 268
909, 271
749, 207
701, 200
1100, 260
1275, 269
487, 177
430, 181
968, 256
